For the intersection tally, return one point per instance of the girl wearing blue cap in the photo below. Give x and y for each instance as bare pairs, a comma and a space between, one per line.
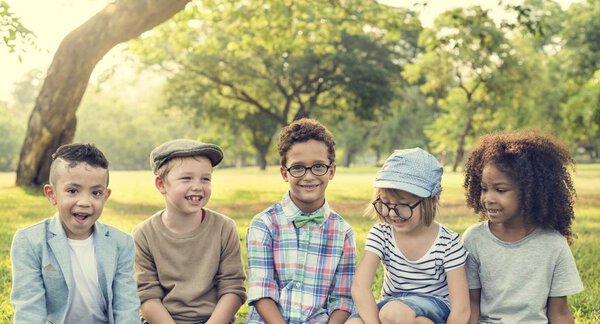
424, 275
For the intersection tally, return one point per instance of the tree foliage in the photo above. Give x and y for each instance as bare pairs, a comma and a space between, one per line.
463, 53
15, 36
278, 61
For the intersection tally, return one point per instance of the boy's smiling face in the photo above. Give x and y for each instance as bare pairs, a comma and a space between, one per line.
187, 186
308, 191
79, 192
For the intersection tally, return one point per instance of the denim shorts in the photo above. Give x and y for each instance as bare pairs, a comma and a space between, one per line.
429, 306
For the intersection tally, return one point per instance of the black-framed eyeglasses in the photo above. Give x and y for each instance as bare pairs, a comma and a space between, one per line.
318, 169
402, 211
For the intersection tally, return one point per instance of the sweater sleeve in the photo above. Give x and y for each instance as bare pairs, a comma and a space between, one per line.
146, 276
230, 276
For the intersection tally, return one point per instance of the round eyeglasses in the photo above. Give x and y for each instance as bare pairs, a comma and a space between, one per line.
402, 211
318, 169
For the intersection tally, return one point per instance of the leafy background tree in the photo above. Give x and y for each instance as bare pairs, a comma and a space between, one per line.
236, 72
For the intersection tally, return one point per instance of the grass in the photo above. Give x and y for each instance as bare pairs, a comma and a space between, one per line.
242, 193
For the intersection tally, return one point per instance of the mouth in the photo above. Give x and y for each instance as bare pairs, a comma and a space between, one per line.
310, 187
492, 212
398, 221
81, 217
194, 198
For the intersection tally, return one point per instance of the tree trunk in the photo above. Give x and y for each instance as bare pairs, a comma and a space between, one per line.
262, 159
460, 150
348, 155
52, 121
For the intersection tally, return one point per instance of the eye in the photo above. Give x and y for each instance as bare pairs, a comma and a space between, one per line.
72, 191
186, 178
98, 193
319, 166
297, 168
207, 179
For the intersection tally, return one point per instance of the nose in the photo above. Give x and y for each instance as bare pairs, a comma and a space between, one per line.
197, 185
487, 197
84, 202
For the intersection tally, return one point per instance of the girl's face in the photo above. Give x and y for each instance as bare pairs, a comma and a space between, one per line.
500, 197
405, 199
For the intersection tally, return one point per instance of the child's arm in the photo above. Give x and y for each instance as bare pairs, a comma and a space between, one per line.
362, 288
229, 279
338, 317
268, 311
459, 296
474, 297
225, 309
154, 311
340, 303
262, 287
149, 290
28, 294
558, 310
125, 303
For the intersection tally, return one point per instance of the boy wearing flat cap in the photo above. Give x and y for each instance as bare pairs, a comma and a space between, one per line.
188, 263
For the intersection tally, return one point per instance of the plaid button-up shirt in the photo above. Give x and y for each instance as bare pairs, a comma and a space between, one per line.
307, 271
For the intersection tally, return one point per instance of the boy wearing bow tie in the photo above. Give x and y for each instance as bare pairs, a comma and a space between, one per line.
300, 252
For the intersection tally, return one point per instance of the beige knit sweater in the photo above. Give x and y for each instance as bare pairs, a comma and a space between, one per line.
188, 272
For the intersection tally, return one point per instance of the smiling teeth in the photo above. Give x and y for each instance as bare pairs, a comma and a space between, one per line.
194, 198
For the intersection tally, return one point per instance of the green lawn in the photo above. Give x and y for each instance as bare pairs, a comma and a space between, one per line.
241, 193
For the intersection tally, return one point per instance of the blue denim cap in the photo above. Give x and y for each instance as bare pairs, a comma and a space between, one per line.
412, 170
184, 148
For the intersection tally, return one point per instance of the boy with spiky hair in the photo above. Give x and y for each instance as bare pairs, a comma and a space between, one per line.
71, 268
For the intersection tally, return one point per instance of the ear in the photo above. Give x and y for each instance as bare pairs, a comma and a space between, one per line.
332, 171
50, 194
284, 173
107, 193
160, 185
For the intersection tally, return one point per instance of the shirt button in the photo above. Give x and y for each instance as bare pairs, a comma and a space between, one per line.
298, 284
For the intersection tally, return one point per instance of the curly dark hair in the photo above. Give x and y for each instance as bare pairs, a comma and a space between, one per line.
540, 166
303, 130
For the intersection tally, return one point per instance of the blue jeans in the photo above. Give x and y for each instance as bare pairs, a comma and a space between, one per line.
429, 306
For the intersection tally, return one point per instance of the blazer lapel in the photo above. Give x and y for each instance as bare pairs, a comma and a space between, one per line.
57, 239
105, 257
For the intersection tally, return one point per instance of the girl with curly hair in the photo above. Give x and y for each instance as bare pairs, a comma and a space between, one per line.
520, 268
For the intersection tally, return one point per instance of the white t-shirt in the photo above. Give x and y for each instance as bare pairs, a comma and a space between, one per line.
426, 275
516, 278
88, 305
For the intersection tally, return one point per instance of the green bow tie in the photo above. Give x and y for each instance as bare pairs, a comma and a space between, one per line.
303, 218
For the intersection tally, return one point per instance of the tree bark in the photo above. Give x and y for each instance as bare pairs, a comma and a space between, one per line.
52, 121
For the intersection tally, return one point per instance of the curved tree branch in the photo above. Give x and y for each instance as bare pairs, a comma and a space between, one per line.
52, 122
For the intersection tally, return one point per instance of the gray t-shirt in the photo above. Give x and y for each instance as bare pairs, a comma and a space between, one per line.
516, 278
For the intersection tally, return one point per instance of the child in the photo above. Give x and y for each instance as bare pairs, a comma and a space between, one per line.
188, 264
520, 268
71, 268
300, 252
424, 276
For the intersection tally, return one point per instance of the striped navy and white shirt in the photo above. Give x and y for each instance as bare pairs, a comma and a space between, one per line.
426, 275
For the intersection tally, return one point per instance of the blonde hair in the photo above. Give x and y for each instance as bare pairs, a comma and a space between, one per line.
164, 169
428, 208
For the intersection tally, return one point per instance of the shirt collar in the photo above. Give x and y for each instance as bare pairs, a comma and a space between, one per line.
291, 210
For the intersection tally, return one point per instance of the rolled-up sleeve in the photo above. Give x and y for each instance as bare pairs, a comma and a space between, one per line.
340, 296
261, 273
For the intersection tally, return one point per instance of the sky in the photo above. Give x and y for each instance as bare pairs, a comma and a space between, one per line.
52, 20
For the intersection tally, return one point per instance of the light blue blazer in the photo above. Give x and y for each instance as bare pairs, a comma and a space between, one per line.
42, 280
